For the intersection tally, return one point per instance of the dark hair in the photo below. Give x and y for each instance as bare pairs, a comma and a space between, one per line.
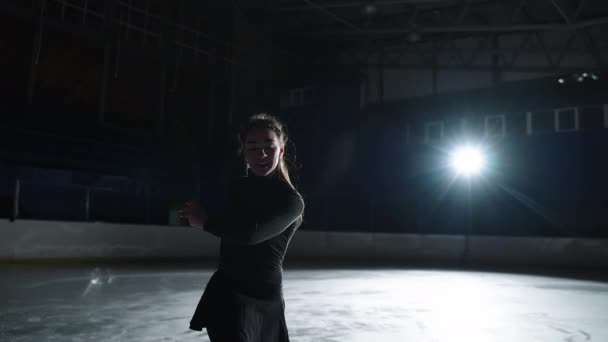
265, 120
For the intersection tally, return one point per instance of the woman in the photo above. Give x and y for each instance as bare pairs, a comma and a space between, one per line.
243, 300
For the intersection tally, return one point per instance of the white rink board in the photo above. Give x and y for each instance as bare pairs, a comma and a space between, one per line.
32, 239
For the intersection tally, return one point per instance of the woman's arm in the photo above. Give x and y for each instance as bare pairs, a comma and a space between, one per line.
246, 228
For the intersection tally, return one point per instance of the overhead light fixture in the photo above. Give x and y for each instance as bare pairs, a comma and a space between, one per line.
369, 8
583, 76
467, 160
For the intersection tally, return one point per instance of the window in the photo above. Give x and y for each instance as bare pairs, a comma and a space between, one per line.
433, 131
454, 128
307, 96
284, 103
495, 126
542, 121
516, 123
528, 123
296, 97
566, 119
590, 117
472, 126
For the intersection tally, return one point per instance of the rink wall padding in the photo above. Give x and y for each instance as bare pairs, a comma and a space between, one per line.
32, 240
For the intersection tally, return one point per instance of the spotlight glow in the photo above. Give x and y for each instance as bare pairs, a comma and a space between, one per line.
467, 160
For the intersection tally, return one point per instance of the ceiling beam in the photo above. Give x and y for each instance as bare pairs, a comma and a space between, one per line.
463, 12
593, 49
487, 68
579, 9
330, 5
461, 29
518, 9
561, 12
333, 15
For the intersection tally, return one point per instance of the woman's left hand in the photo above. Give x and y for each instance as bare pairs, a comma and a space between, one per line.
196, 214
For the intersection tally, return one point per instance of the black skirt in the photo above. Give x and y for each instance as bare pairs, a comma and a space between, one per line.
231, 314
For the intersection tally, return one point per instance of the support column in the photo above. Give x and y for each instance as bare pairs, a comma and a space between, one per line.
435, 69
211, 73
233, 66
363, 92
87, 205
16, 195
38, 15
496, 72
528, 123
381, 77
163, 45
108, 31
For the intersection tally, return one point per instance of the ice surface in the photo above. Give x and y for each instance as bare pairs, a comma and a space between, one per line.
132, 303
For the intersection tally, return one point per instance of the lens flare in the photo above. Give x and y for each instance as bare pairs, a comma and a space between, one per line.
467, 160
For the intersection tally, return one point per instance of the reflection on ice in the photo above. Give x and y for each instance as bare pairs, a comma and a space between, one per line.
98, 277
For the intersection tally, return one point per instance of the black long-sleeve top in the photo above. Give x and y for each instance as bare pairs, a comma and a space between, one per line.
261, 216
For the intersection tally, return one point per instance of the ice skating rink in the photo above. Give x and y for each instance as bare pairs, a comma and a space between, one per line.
154, 303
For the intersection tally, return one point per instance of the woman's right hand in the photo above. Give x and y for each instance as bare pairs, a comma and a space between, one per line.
196, 215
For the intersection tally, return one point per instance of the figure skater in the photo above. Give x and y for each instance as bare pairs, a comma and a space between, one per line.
243, 301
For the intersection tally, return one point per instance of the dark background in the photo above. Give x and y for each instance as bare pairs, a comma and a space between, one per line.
138, 122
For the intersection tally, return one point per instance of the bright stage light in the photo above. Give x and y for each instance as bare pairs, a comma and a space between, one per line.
467, 160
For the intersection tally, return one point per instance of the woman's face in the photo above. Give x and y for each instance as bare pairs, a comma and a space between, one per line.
263, 151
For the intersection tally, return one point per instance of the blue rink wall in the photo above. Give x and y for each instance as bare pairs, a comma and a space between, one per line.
32, 240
